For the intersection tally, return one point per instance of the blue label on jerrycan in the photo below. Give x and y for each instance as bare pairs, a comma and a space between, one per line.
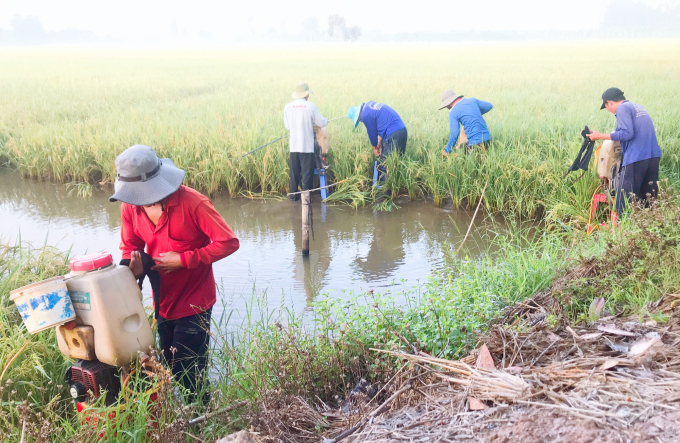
81, 300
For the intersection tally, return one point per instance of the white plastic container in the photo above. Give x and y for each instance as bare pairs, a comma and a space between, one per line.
107, 297
44, 304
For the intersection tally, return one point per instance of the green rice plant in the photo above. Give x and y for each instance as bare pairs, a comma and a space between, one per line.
205, 109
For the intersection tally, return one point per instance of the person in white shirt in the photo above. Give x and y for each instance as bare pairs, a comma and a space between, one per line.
299, 116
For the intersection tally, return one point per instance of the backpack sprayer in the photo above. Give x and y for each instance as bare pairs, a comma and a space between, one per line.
608, 164
100, 322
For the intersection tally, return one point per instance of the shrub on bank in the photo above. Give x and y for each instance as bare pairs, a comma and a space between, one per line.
633, 265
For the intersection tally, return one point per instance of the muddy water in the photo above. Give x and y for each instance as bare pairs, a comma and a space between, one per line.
352, 250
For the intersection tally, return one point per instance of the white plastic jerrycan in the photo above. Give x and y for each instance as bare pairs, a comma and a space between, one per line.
108, 304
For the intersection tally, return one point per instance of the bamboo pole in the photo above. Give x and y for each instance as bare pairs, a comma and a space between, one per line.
306, 221
473, 218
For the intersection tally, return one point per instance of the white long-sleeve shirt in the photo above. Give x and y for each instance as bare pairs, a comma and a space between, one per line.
299, 116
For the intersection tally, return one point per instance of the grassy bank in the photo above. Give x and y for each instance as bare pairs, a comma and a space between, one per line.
270, 361
281, 361
65, 114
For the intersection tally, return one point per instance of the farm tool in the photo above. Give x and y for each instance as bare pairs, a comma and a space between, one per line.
608, 165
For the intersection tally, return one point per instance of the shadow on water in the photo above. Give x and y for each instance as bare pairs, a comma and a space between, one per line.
353, 250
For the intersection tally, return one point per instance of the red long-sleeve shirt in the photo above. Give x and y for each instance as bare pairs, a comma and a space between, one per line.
191, 226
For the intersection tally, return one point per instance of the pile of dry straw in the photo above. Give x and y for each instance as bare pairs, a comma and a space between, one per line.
613, 375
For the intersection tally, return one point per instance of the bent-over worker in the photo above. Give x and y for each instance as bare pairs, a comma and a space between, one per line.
641, 152
467, 112
299, 117
386, 131
184, 235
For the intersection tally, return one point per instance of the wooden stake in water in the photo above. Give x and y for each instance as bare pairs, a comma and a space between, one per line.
306, 221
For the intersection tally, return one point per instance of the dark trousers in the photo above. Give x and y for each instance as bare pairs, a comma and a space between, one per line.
469, 148
301, 173
639, 178
184, 342
395, 142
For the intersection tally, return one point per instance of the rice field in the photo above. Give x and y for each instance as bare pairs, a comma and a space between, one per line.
66, 113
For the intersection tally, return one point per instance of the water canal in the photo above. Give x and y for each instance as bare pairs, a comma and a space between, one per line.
353, 250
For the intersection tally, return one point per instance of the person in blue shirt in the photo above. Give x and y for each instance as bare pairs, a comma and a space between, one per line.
467, 112
386, 130
641, 152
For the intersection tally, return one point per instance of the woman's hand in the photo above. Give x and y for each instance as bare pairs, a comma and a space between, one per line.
167, 262
376, 151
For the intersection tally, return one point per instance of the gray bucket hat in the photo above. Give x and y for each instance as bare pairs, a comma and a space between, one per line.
449, 97
144, 179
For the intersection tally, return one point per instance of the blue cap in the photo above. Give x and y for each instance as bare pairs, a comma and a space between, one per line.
353, 114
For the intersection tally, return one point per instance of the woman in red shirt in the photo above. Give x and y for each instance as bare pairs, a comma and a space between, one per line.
184, 235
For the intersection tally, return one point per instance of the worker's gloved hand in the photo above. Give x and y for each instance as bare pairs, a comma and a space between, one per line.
618, 150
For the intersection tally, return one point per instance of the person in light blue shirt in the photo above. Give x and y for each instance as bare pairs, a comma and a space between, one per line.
468, 113
641, 151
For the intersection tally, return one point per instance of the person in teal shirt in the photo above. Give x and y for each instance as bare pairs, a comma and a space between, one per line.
467, 112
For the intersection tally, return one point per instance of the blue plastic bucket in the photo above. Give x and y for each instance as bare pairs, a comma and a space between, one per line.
44, 304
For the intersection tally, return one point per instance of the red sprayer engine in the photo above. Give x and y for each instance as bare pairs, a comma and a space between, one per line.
88, 380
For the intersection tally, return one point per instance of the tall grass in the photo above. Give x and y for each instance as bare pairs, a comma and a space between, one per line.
31, 367
66, 114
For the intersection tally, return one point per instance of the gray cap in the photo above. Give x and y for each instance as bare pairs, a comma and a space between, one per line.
449, 97
144, 179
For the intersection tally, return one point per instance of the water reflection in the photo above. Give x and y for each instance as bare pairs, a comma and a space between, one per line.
50, 201
352, 250
385, 251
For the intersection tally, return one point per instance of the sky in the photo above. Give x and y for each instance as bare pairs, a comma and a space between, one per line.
226, 20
